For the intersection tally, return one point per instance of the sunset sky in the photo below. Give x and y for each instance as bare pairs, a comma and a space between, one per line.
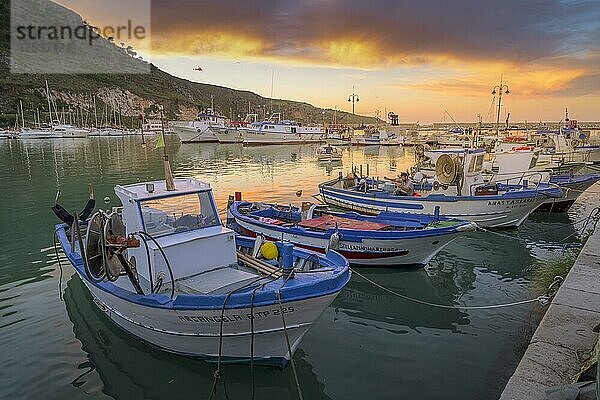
417, 58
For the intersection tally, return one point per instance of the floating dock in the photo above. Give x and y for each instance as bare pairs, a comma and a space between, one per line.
565, 337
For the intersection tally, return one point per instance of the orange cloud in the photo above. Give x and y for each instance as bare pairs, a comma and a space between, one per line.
214, 42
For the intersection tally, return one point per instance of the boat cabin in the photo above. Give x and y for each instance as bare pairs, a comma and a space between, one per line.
185, 224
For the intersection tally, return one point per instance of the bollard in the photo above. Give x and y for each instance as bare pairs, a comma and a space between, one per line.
525, 183
436, 212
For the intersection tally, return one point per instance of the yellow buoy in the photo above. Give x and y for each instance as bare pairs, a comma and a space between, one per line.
269, 251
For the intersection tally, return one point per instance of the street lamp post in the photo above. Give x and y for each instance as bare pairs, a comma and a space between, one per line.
502, 89
353, 98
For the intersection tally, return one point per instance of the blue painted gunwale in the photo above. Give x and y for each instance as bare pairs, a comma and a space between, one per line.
351, 235
302, 287
567, 180
379, 198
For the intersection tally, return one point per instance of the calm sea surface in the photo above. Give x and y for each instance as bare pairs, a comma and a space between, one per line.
367, 345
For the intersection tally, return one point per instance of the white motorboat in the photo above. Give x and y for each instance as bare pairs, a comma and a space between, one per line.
58, 131
232, 131
277, 131
458, 188
377, 137
202, 130
165, 270
329, 153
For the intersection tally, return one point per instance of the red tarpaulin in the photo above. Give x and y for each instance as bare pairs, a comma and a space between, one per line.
330, 221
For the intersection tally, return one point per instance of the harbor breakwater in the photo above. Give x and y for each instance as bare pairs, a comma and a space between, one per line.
564, 341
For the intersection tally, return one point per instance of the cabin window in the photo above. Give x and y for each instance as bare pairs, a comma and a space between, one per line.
293, 130
177, 214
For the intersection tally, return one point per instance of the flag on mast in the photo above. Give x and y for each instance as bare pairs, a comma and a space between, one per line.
160, 141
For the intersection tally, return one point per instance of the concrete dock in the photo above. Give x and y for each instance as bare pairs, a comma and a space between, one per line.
565, 335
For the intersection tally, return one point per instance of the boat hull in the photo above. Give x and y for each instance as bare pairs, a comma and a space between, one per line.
572, 188
485, 211
407, 252
197, 333
265, 138
228, 135
190, 134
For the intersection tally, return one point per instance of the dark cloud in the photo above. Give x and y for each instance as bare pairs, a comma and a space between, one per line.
405, 31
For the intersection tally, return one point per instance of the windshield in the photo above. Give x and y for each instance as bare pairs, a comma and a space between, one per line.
176, 214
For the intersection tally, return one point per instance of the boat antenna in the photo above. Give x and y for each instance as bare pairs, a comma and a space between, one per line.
160, 142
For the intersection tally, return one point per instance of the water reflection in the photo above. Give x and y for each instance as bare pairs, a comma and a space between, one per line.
133, 370
368, 305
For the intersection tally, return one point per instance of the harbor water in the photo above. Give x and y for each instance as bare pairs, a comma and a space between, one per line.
54, 343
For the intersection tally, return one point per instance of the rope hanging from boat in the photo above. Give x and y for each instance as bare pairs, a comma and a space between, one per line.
289, 347
543, 299
218, 375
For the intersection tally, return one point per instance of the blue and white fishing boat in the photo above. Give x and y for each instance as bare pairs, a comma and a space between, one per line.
388, 239
457, 187
164, 269
573, 186
515, 166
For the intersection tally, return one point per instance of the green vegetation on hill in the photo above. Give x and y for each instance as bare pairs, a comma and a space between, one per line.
158, 87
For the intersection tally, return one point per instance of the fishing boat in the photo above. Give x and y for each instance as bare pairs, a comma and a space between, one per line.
515, 166
329, 153
231, 132
202, 130
163, 268
376, 137
388, 239
278, 131
457, 187
338, 135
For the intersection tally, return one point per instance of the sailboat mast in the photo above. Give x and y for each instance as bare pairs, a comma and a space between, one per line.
22, 114
49, 105
95, 113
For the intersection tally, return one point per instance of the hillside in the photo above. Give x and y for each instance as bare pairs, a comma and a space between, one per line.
130, 93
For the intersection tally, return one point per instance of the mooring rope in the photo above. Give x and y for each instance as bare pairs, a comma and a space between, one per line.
60, 278
289, 347
543, 299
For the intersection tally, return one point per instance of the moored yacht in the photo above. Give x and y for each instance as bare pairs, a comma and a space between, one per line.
232, 131
278, 131
202, 130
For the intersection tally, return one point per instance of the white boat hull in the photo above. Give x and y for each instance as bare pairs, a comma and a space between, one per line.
485, 212
197, 333
260, 137
372, 252
190, 134
228, 135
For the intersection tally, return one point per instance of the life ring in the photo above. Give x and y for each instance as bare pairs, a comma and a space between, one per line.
523, 148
